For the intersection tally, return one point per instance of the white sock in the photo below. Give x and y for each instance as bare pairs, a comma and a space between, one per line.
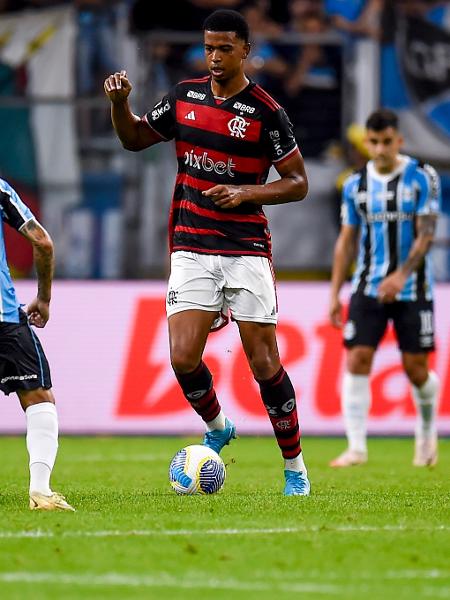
295, 464
426, 401
356, 398
217, 423
42, 444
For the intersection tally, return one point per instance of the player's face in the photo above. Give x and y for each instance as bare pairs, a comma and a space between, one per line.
383, 147
225, 53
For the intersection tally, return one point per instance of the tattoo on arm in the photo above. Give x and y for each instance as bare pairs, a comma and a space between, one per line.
426, 227
42, 255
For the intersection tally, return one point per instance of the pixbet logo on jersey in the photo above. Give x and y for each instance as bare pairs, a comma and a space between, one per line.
205, 163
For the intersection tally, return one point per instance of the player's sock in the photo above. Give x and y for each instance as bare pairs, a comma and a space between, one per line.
426, 399
218, 423
42, 444
356, 399
198, 390
278, 396
296, 464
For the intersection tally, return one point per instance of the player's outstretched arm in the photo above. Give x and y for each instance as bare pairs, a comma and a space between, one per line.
131, 131
44, 261
344, 251
291, 187
395, 282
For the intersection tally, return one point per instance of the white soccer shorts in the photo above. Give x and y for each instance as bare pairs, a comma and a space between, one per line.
243, 285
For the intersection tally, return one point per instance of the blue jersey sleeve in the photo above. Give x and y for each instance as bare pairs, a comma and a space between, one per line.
428, 186
13, 211
349, 213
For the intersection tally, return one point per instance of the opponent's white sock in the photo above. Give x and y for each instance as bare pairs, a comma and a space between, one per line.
426, 401
295, 464
217, 423
355, 401
42, 444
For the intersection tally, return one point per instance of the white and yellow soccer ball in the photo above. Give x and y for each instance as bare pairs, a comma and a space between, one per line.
197, 469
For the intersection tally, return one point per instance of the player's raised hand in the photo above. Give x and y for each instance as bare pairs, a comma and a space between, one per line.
118, 87
225, 196
38, 312
335, 313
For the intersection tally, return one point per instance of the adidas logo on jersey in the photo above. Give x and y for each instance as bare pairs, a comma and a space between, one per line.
190, 116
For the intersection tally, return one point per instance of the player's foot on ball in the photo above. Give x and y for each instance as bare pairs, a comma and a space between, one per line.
54, 502
426, 452
218, 438
297, 484
349, 458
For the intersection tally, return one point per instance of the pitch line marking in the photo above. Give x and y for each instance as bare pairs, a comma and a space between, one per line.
39, 533
166, 580
163, 580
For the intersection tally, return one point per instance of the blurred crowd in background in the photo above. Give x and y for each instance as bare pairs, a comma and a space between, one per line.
323, 60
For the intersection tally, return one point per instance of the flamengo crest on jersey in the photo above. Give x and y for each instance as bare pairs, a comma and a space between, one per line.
385, 207
14, 213
231, 143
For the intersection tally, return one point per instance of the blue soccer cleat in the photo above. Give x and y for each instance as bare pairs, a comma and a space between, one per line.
217, 438
297, 484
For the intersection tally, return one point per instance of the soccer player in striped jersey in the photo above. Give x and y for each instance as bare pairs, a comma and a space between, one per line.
228, 131
392, 204
23, 365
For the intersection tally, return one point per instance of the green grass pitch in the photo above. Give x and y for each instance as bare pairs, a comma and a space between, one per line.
375, 532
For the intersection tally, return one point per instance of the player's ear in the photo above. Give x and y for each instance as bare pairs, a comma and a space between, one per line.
247, 48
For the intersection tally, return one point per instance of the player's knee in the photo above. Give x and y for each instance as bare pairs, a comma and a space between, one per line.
359, 361
416, 371
263, 365
183, 362
37, 396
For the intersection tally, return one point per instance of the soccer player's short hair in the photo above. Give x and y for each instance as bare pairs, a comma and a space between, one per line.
227, 20
382, 119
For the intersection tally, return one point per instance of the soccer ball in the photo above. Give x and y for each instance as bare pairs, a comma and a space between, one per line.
197, 469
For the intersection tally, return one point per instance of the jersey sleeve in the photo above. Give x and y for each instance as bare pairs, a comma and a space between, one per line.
349, 213
279, 137
162, 118
14, 212
429, 191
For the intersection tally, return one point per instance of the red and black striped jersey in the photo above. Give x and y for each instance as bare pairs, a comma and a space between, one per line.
231, 143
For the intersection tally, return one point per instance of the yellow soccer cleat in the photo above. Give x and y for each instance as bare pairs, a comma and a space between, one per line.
54, 502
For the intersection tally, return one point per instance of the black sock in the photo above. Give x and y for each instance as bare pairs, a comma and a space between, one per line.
198, 389
278, 396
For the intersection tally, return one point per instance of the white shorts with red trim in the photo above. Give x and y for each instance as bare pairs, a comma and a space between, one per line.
241, 285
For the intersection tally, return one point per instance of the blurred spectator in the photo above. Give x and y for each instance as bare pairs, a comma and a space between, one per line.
355, 17
314, 67
314, 81
95, 43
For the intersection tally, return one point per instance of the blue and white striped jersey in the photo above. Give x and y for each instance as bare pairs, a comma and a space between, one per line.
15, 213
385, 207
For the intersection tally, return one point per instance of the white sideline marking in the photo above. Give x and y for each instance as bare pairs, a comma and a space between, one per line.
39, 533
166, 580
163, 580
